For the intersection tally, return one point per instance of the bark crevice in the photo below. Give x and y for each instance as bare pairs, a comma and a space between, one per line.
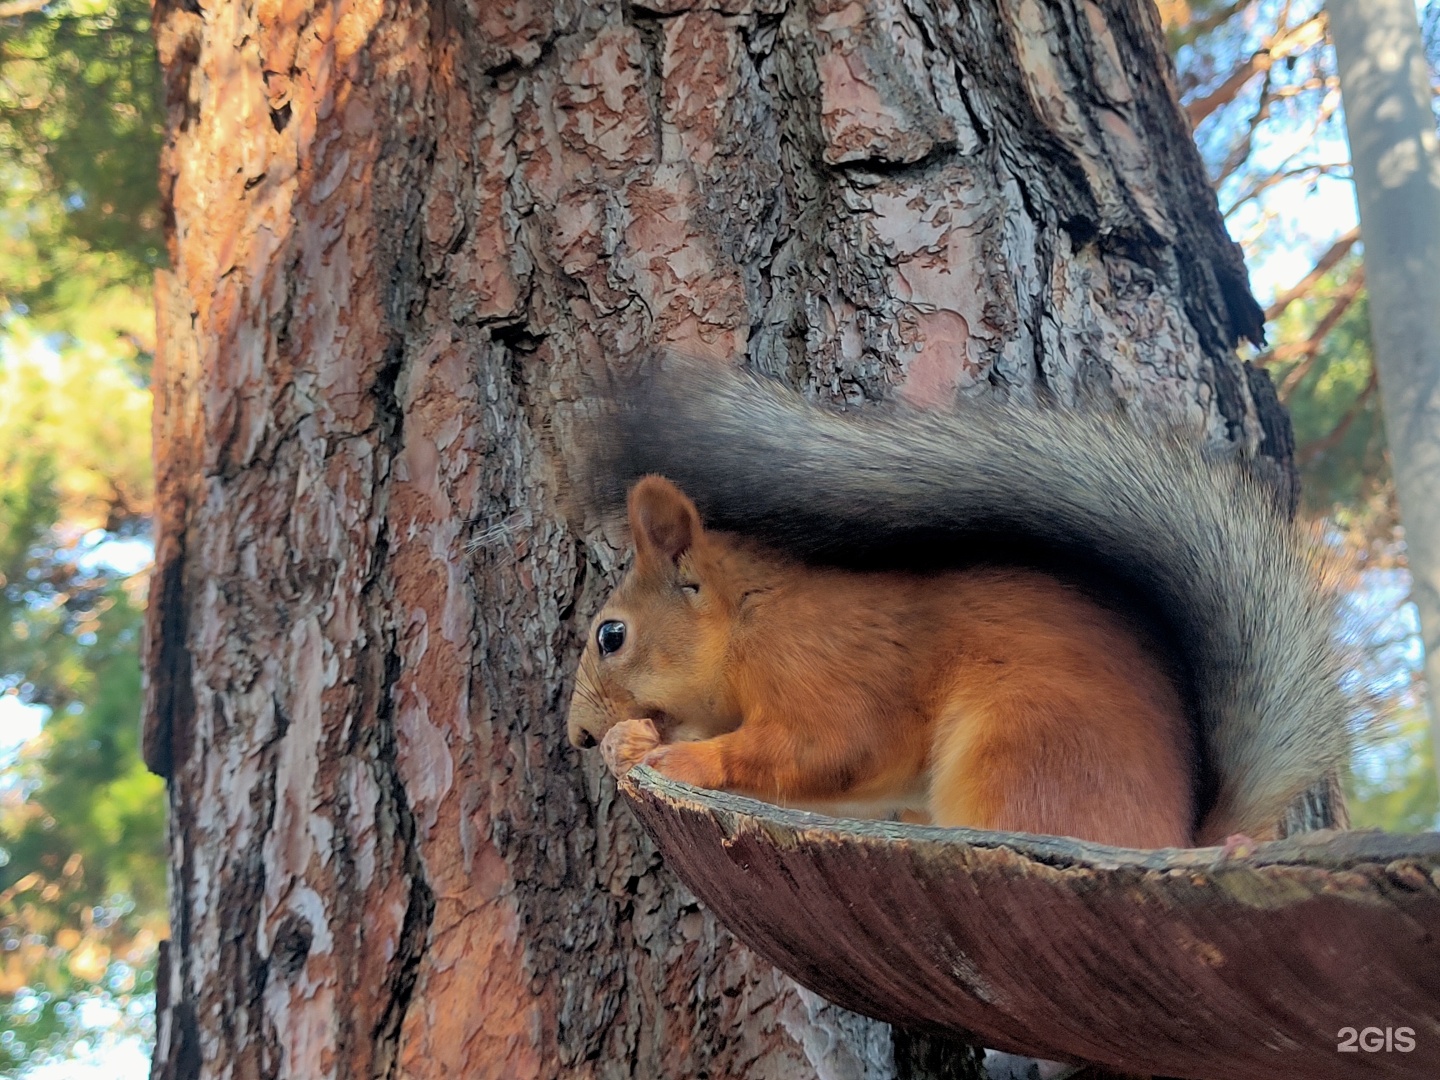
404, 966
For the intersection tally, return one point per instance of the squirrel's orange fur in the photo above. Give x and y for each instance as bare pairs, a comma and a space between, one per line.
989, 697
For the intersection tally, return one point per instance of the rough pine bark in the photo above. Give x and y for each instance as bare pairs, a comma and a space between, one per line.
406, 241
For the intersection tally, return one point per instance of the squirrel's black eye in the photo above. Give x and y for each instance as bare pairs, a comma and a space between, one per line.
610, 636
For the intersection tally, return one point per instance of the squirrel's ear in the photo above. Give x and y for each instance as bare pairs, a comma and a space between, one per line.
663, 521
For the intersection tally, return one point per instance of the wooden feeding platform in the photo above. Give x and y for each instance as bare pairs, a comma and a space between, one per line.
1203, 963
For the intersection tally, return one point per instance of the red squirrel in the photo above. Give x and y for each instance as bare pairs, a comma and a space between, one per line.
867, 614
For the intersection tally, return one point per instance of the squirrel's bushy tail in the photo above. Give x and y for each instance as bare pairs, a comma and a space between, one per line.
1200, 540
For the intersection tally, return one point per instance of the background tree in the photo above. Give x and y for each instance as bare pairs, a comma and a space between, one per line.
1396, 155
405, 241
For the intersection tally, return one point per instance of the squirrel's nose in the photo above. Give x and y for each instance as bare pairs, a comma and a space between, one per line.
584, 740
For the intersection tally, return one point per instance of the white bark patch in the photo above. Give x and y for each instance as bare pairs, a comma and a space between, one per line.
876, 103
298, 766
700, 68
839, 1045
930, 231
425, 758
606, 112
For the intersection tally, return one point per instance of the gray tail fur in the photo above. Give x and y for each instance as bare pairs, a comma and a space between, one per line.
1201, 540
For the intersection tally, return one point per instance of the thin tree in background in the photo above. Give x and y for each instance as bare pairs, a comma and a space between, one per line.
1396, 155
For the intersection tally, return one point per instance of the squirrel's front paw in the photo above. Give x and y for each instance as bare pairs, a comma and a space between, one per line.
690, 763
626, 744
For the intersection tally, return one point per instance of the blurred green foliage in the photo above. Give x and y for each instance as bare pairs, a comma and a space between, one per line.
1391, 784
1335, 406
80, 138
82, 885
82, 870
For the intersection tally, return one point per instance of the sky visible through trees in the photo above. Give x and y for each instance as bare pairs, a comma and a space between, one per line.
82, 901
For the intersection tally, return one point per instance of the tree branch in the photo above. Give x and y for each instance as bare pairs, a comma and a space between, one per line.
1309, 349
1323, 266
14, 9
1338, 432
1217, 18
1284, 43
1227, 91
1266, 182
1241, 152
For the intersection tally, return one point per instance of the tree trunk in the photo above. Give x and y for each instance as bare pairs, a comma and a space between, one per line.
407, 241
1396, 156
